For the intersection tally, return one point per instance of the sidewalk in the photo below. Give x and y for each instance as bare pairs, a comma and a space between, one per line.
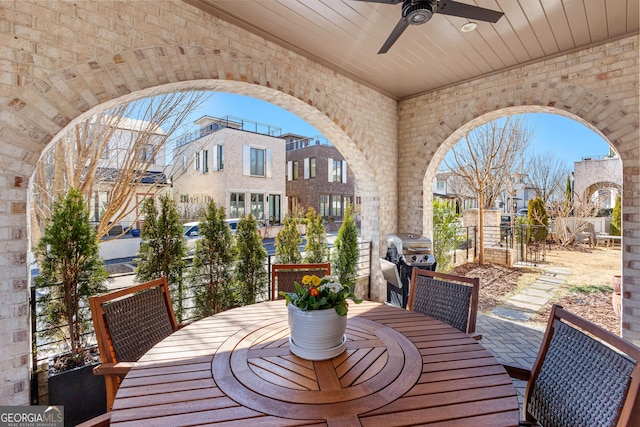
506, 332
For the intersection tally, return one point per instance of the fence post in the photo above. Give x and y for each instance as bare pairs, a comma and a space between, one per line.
475, 243
34, 353
370, 269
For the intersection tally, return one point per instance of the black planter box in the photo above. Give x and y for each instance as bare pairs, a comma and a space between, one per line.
81, 393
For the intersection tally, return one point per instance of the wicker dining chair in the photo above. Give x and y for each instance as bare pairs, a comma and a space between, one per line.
283, 276
127, 324
449, 298
583, 376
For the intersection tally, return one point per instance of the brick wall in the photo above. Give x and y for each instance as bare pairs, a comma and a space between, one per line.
66, 60
308, 190
589, 175
596, 86
62, 61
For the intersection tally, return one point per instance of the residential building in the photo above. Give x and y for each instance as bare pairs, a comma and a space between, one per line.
148, 140
318, 177
128, 166
447, 186
237, 163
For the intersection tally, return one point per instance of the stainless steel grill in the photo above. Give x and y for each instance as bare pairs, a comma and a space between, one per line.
406, 252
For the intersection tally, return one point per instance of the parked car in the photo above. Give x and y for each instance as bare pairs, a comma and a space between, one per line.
191, 232
522, 212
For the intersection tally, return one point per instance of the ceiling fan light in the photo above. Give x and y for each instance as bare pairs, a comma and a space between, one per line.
468, 27
419, 17
417, 12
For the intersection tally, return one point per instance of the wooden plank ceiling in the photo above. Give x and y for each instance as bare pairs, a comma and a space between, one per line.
347, 34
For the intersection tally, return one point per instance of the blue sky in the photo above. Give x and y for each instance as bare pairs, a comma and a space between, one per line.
554, 134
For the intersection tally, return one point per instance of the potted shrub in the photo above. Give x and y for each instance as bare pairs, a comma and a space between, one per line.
71, 270
288, 241
212, 271
316, 249
250, 273
345, 256
163, 249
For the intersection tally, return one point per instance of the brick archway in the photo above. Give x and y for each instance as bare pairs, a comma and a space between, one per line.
482, 118
312, 103
38, 113
608, 118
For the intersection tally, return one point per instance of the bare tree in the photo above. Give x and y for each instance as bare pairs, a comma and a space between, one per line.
547, 174
485, 158
460, 189
119, 154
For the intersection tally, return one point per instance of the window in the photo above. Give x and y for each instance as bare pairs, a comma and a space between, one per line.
324, 205
440, 185
184, 162
257, 205
312, 167
347, 200
99, 204
184, 198
257, 162
220, 159
196, 160
146, 154
336, 206
205, 161
236, 205
274, 208
335, 171
105, 152
295, 170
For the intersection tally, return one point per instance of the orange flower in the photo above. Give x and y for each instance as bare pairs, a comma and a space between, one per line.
314, 292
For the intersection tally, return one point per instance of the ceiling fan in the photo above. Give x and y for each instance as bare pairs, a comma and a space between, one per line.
417, 12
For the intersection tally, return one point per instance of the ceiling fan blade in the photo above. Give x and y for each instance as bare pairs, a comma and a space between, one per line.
454, 8
382, 1
397, 31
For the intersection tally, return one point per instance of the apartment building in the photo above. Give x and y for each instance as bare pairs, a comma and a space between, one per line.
238, 163
318, 177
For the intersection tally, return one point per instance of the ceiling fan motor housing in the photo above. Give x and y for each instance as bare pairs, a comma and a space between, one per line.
417, 12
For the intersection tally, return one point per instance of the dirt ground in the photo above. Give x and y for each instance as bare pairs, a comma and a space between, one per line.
586, 292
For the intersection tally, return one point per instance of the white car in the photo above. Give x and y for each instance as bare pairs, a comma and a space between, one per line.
191, 232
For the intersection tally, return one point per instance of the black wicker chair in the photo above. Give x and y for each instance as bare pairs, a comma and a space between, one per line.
583, 376
446, 297
127, 324
283, 276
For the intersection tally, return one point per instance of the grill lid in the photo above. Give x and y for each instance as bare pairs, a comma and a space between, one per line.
412, 249
407, 243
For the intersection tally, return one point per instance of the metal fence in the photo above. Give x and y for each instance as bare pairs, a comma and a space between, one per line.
45, 347
522, 244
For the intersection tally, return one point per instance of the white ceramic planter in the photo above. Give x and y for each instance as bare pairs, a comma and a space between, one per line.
316, 334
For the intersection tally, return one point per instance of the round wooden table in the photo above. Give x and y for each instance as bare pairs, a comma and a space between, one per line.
235, 368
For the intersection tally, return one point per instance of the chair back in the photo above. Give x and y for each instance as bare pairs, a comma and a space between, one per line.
283, 276
130, 321
446, 297
127, 324
584, 375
